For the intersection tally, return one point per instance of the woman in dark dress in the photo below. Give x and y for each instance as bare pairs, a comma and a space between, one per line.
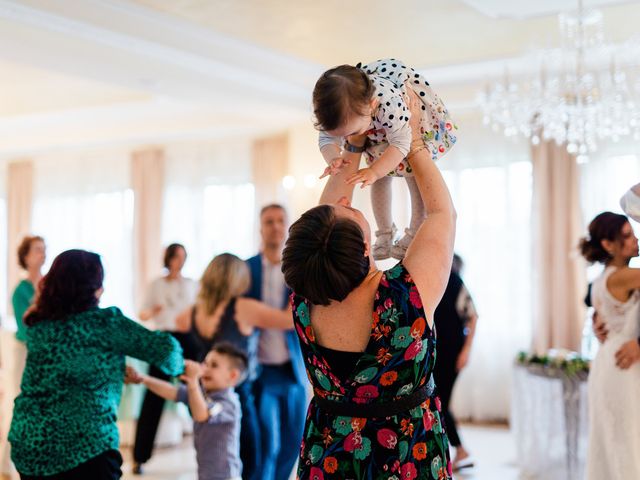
367, 336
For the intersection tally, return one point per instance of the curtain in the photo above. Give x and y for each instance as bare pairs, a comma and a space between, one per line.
19, 213
209, 203
558, 271
83, 200
269, 163
147, 181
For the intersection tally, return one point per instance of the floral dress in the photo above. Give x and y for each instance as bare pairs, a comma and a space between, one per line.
398, 360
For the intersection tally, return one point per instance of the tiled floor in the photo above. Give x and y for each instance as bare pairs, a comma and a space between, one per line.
492, 448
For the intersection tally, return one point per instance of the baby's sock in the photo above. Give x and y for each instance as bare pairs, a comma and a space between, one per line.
381, 204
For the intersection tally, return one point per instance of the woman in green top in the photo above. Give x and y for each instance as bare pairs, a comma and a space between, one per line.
31, 257
64, 420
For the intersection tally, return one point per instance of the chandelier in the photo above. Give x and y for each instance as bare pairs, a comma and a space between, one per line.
584, 93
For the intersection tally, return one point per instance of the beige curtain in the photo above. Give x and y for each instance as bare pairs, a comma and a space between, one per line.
19, 211
269, 163
147, 180
559, 281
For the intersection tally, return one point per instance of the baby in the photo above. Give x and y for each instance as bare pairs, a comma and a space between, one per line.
373, 100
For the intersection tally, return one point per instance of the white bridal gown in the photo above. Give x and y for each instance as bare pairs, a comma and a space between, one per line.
614, 394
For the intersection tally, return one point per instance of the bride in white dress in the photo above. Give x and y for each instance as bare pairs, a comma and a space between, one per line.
614, 389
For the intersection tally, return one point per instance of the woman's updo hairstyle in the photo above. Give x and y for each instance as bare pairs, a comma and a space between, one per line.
324, 257
339, 93
605, 226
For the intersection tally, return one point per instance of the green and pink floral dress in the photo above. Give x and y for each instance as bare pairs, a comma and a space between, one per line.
398, 361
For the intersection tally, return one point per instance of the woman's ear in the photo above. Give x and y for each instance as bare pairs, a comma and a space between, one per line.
608, 246
367, 249
99, 292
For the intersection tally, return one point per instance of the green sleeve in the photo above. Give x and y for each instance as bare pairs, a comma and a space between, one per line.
21, 300
133, 340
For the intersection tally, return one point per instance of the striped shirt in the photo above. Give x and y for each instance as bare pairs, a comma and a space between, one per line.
217, 441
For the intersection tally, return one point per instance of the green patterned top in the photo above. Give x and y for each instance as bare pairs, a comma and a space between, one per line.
21, 300
71, 387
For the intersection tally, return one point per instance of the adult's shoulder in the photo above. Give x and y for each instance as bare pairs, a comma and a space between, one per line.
255, 261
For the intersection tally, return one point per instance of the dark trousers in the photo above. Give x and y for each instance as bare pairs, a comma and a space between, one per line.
152, 405
282, 405
445, 376
105, 466
250, 442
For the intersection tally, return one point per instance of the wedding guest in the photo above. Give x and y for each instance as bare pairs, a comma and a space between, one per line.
64, 420
455, 319
374, 409
222, 314
166, 298
208, 390
31, 258
279, 389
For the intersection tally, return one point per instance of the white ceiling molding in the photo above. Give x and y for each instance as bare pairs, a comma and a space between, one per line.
143, 49
156, 121
528, 9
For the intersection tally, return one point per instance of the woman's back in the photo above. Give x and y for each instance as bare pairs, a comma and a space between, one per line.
66, 411
365, 435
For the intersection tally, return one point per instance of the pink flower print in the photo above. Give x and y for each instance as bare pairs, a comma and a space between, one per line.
353, 441
388, 303
413, 350
316, 474
387, 438
408, 471
429, 420
438, 404
414, 297
365, 393
301, 334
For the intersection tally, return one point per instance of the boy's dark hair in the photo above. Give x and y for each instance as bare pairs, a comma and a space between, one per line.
339, 93
238, 358
605, 226
69, 287
171, 251
324, 258
24, 247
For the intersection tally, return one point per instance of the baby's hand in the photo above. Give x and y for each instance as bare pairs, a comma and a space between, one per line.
335, 166
365, 175
192, 371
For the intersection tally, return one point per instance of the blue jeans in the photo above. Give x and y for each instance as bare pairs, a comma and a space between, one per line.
282, 404
250, 444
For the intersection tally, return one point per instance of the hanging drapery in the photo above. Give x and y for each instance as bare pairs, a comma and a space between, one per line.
558, 286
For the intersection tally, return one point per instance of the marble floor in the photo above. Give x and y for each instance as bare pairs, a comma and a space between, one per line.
492, 447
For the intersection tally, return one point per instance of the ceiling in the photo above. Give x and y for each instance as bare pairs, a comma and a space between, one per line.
81, 72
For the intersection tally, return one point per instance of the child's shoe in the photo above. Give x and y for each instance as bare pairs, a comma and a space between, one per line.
384, 241
399, 249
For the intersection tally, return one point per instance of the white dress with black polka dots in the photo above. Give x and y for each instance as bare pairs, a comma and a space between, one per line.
390, 120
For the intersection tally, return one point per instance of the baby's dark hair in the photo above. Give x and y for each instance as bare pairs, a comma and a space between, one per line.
339, 93
605, 226
324, 257
237, 357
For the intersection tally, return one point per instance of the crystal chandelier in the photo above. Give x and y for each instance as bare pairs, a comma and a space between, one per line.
584, 93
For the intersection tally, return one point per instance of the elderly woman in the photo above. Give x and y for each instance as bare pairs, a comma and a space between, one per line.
64, 420
367, 336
